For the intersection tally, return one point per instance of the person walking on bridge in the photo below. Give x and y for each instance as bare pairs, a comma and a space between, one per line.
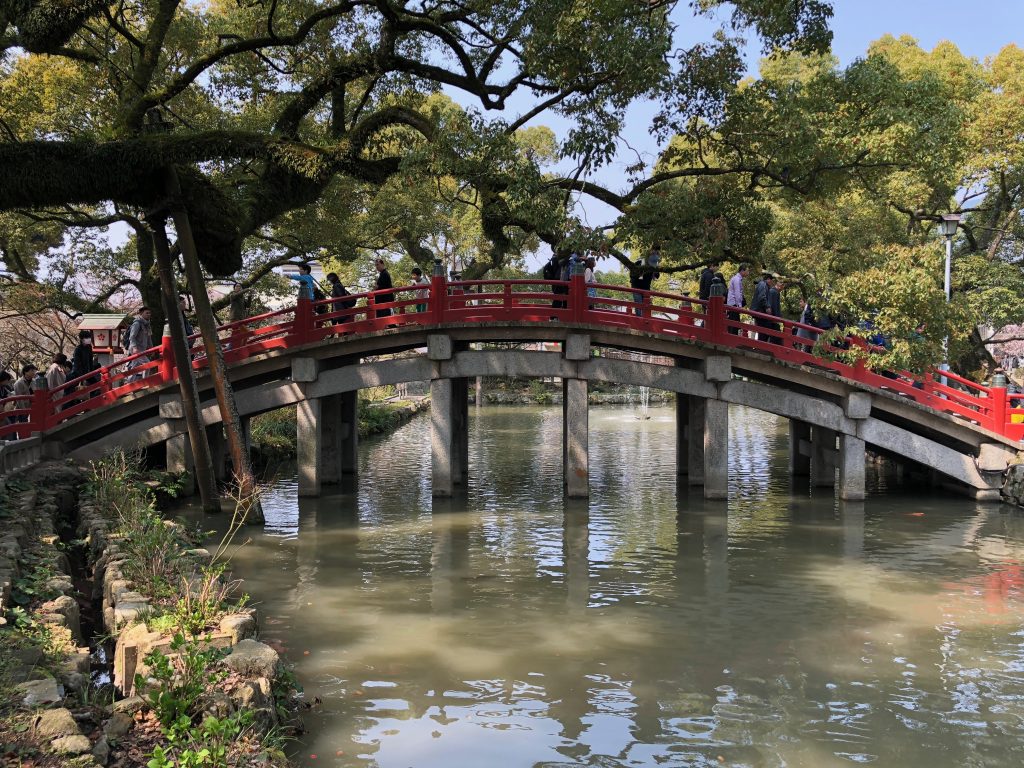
735, 297
423, 291
704, 284
23, 389
338, 293
140, 338
383, 283
307, 285
775, 304
761, 304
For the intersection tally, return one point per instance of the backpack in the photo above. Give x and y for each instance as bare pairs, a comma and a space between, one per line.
550, 271
126, 336
318, 295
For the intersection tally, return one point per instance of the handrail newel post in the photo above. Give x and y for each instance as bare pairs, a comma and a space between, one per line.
999, 418
715, 318
438, 294
167, 368
303, 323
577, 295
39, 410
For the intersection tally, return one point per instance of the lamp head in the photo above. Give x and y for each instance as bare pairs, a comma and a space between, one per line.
949, 224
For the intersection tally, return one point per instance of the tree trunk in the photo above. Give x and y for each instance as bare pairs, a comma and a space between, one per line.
251, 511
202, 460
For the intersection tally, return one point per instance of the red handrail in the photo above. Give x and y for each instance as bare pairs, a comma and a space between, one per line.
518, 301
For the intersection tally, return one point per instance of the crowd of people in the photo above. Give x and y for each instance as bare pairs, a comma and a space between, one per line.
138, 338
16, 394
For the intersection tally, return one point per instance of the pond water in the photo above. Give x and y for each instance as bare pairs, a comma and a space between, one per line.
644, 627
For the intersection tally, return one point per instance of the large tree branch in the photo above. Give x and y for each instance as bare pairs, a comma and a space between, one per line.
203, 63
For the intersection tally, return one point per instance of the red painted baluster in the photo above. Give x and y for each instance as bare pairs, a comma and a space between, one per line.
39, 410
508, 301
714, 320
302, 326
438, 294
167, 370
578, 294
106, 387
998, 407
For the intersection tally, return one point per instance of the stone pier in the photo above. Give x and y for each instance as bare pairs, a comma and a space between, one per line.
576, 421
799, 448
327, 432
718, 371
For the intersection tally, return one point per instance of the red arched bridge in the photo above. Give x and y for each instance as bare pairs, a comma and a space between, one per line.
319, 354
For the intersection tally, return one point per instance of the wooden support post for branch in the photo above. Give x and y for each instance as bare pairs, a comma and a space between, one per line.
244, 477
202, 462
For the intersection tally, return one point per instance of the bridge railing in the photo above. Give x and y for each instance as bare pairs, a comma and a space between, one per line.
518, 301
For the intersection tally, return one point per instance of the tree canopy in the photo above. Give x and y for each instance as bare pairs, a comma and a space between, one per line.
416, 128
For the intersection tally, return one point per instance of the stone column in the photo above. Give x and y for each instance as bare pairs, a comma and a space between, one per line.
309, 438
716, 449
331, 429
442, 428
349, 433
218, 451
717, 369
179, 458
575, 421
575, 435
682, 434
823, 457
308, 428
442, 448
695, 439
857, 406
851, 467
799, 448
460, 433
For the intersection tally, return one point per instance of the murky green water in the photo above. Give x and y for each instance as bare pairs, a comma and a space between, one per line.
646, 627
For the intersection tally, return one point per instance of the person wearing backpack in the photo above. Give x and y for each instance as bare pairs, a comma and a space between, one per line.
552, 271
338, 294
139, 339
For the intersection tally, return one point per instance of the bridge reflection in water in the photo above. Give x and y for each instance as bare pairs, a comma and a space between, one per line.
509, 626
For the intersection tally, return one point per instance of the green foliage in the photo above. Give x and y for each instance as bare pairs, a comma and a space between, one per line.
539, 392
176, 690
179, 680
188, 598
379, 417
204, 598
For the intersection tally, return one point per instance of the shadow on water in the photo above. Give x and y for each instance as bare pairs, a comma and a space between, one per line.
645, 626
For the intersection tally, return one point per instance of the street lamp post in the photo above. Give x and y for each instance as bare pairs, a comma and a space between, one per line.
948, 227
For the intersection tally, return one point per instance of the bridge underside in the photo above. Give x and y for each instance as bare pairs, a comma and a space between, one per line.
833, 420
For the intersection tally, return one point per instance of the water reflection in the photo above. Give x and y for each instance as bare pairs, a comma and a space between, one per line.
646, 626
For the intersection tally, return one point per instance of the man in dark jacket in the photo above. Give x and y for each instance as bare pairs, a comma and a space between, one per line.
704, 286
641, 276
761, 304
383, 283
775, 305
